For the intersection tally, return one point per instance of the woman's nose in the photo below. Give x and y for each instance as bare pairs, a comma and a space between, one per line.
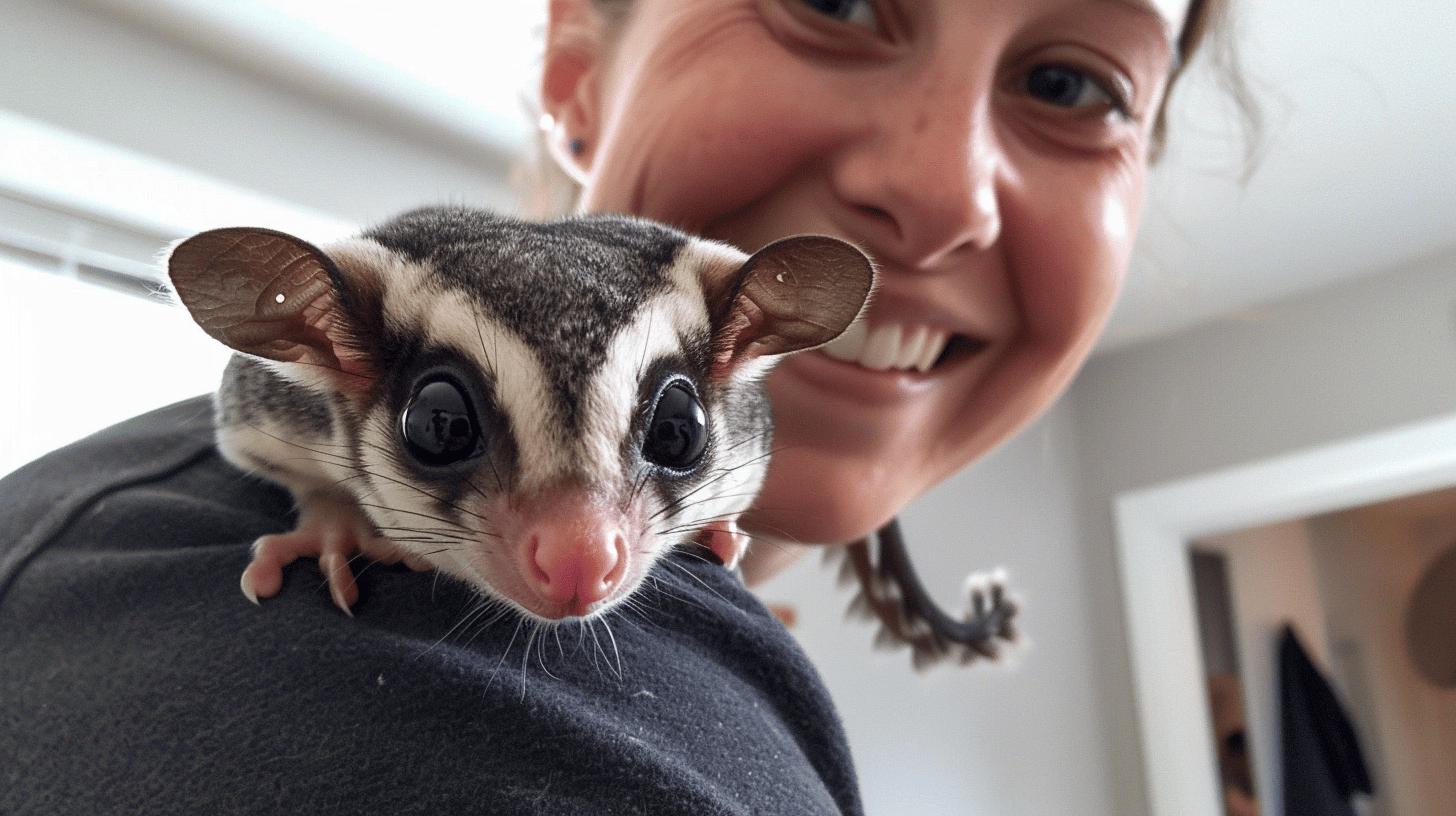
923, 182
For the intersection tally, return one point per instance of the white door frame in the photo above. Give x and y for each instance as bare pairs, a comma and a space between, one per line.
1155, 527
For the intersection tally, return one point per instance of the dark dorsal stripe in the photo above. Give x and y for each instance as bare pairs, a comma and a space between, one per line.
566, 287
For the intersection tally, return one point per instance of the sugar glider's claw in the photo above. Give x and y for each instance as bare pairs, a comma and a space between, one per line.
329, 530
725, 541
333, 531
247, 587
263, 576
334, 563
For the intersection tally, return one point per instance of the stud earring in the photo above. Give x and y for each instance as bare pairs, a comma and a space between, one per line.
568, 153
548, 124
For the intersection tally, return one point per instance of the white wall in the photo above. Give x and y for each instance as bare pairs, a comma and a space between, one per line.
152, 355
1023, 741
88, 72
1350, 360
217, 139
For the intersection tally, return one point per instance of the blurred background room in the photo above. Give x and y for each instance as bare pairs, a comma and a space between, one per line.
1262, 451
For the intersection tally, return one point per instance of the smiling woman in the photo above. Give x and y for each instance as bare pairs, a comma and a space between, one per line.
990, 156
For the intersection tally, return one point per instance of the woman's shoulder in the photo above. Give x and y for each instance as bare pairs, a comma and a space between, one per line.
41, 500
138, 677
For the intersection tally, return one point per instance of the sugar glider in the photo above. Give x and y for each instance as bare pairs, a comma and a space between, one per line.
539, 409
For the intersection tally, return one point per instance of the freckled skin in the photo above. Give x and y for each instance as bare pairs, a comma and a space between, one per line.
721, 118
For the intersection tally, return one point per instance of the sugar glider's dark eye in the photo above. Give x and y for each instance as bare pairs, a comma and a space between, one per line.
438, 424
678, 432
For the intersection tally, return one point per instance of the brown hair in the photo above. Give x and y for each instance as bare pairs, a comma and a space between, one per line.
1207, 27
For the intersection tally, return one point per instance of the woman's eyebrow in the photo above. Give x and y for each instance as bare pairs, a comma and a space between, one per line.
1149, 9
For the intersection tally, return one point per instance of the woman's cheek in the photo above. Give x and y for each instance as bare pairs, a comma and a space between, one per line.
1071, 276
727, 164
729, 161
687, 157
1119, 218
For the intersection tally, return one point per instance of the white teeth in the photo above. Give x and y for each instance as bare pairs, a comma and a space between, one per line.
934, 345
882, 348
847, 346
890, 345
913, 342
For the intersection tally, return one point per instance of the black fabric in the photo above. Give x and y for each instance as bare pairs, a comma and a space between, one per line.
1323, 765
136, 678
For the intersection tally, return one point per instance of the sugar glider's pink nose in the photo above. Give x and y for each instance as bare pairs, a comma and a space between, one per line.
576, 561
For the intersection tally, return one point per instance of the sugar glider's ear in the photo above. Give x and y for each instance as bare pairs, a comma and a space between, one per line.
271, 295
794, 294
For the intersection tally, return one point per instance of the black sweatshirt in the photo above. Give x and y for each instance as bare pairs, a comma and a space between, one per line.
136, 678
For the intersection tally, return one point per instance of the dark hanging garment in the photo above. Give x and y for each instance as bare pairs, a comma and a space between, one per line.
1323, 766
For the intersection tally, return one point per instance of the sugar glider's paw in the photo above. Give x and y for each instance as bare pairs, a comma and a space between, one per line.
333, 531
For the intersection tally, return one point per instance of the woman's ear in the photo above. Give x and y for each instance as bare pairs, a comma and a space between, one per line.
575, 59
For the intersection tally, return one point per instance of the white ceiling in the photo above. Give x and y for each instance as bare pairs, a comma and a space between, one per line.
1358, 153
1358, 167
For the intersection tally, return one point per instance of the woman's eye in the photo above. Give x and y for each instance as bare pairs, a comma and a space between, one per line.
438, 425
1066, 87
854, 12
678, 432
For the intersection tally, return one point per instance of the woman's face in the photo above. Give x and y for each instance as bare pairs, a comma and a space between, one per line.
990, 156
